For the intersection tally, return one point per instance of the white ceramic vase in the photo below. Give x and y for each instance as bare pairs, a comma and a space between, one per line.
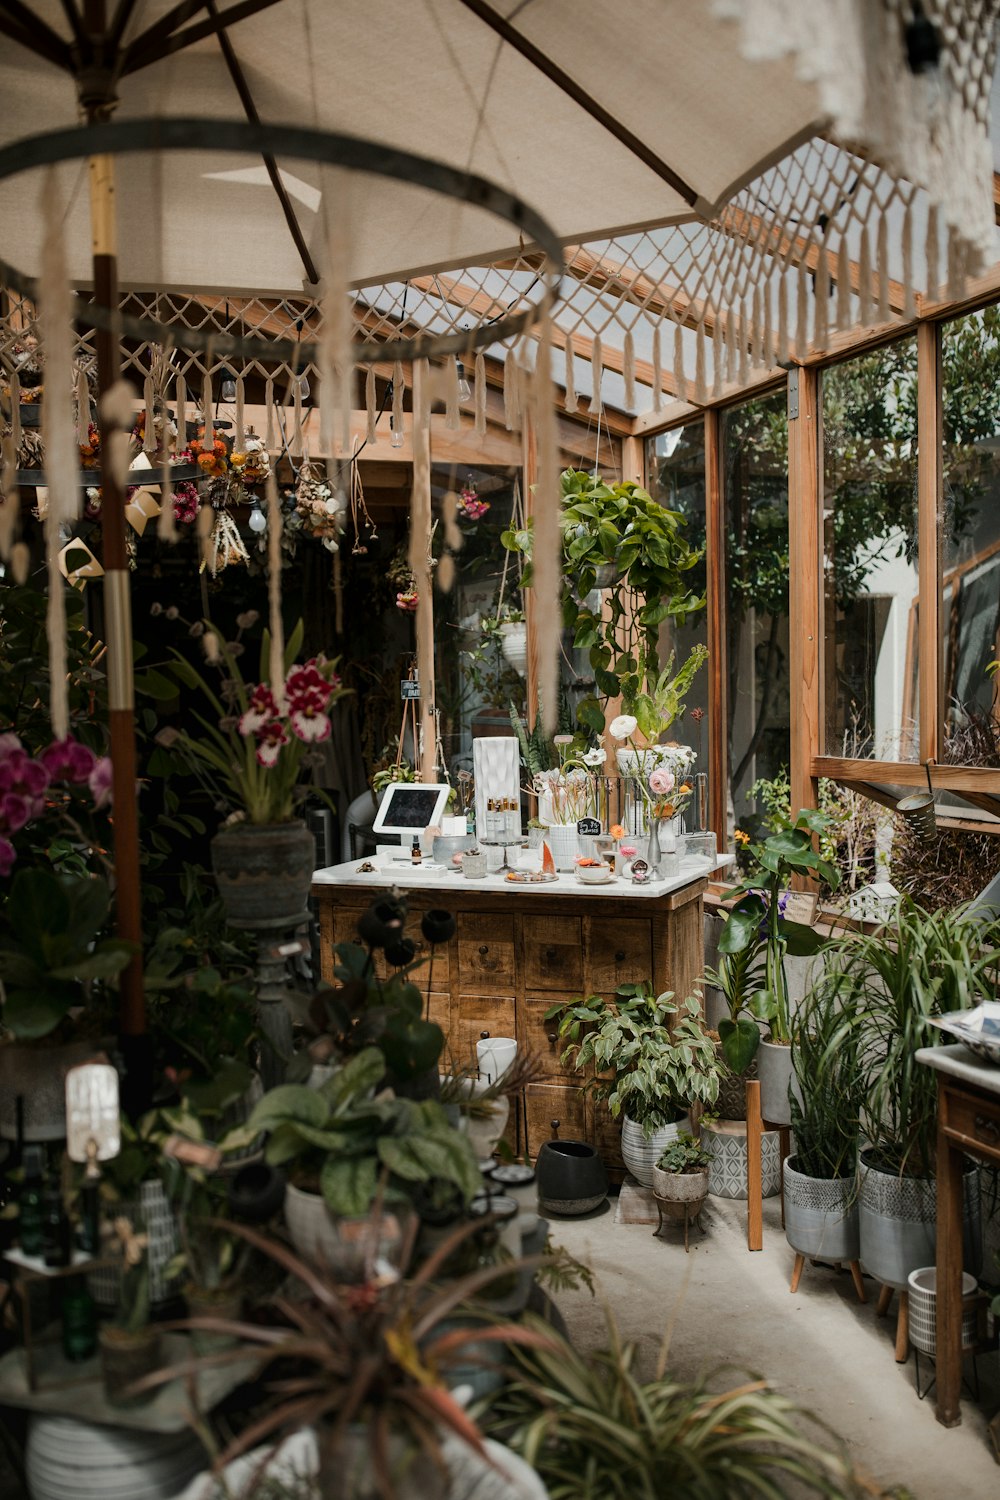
564, 843
514, 644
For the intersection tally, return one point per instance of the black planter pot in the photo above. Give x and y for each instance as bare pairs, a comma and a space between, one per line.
571, 1178
256, 1193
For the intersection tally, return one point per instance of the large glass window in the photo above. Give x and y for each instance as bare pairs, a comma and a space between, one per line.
755, 488
675, 467
970, 540
869, 470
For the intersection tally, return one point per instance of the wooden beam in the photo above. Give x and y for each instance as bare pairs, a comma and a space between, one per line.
718, 705
930, 673
805, 571
674, 412
981, 780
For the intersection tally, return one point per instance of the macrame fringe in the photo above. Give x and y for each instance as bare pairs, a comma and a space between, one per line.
206, 409
397, 397
781, 353
149, 421
657, 370
843, 285
802, 313
882, 254
479, 393
718, 353
931, 252
679, 375
240, 413
297, 435
744, 375
730, 333
370, 408
511, 394
822, 295
452, 408
628, 369
449, 513
956, 277
166, 524
597, 371
569, 378
755, 336
180, 406
203, 530
767, 339
444, 575
866, 305
909, 296
271, 435
277, 629
700, 385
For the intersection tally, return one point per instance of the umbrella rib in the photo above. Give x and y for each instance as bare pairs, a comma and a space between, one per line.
587, 103
153, 44
238, 76
17, 22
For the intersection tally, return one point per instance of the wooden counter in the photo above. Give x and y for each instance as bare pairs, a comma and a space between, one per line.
520, 949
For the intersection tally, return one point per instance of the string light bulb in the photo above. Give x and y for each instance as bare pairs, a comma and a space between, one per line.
258, 520
305, 389
464, 388
228, 393
396, 435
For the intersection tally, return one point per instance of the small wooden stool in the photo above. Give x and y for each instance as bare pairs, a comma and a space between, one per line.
854, 1266
686, 1213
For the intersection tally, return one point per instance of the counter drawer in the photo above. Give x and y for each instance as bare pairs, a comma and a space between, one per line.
606, 1134
471, 1015
619, 952
486, 951
972, 1122
545, 1103
553, 954
541, 1037
429, 963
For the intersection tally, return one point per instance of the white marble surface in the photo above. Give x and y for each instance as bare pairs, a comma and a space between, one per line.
433, 877
961, 1063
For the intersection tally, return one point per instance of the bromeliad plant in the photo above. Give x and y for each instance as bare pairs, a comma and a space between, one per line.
758, 935
254, 751
663, 1059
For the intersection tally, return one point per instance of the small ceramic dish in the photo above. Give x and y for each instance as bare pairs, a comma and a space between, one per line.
594, 874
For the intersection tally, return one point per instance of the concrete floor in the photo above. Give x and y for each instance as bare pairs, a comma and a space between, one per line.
821, 1347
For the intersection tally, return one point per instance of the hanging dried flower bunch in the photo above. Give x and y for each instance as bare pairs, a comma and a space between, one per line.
319, 510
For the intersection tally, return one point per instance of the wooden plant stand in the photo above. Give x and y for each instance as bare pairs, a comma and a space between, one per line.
854, 1266
679, 1213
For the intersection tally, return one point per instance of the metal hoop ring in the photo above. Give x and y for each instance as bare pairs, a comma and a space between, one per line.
352, 153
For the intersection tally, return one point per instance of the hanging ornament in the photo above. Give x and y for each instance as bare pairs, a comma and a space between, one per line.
471, 507
225, 546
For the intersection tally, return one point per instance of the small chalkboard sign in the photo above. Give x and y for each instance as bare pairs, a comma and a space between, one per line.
409, 688
588, 827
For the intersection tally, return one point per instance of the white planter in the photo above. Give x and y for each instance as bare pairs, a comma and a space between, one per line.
774, 1068
484, 1132
310, 1225
641, 1155
922, 1288
564, 844
898, 1222
514, 644
71, 1460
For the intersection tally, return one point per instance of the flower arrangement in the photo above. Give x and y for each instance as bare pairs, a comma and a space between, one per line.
667, 799
319, 511
213, 459
250, 464
257, 747
408, 601
32, 785
566, 791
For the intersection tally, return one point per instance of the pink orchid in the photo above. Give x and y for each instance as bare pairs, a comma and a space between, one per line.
261, 712
67, 760
661, 781
100, 782
15, 811
8, 854
311, 723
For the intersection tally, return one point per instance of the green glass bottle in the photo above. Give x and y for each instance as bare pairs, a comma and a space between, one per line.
79, 1322
31, 1223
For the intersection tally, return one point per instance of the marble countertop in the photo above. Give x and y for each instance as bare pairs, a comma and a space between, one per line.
430, 876
962, 1064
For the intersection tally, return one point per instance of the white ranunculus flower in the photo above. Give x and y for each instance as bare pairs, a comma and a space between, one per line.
623, 726
595, 757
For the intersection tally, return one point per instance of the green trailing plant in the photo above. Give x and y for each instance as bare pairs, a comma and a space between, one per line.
342, 1140
756, 929
827, 1095
53, 956
921, 964
685, 1154
660, 1055
594, 1430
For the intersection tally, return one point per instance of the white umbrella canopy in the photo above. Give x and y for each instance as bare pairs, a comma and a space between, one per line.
638, 114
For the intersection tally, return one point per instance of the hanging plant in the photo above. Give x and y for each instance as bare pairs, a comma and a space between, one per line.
471, 507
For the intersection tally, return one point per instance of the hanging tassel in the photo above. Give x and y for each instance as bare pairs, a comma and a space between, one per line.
240, 410
116, 419
397, 397
628, 370
744, 375
166, 525
700, 385
444, 574
781, 352
843, 284
931, 252
84, 416
276, 673
882, 253
370, 408
511, 405
271, 435
297, 437
452, 531
909, 297
679, 375
597, 372
955, 277
452, 408
718, 354
479, 388
203, 530
149, 424
180, 405
802, 313
865, 278
15, 409
206, 408
657, 370
755, 335
569, 379
822, 299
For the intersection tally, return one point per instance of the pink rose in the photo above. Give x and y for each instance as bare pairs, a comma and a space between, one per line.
661, 782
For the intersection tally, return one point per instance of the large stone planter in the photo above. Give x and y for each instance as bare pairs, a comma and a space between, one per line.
821, 1215
641, 1155
38, 1074
681, 1187
897, 1218
725, 1141
774, 1068
264, 872
71, 1460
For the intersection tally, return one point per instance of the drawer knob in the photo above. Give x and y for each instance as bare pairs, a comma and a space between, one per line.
484, 948
550, 955
555, 1127
620, 956
553, 1038
987, 1130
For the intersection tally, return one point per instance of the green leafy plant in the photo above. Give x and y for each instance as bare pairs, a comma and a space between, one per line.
342, 1141
594, 1431
661, 1056
53, 956
685, 1154
757, 928
827, 1095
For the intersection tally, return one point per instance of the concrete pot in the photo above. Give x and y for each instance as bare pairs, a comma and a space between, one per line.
641, 1155
126, 1358
264, 873
897, 1217
38, 1074
774, 1068
310, 1226
681, 1187
571, 1178
820, 1219
71, 1460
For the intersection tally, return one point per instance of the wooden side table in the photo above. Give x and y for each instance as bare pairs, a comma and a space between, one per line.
968, 1125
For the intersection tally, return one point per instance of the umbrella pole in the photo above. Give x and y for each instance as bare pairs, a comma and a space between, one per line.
135, 1044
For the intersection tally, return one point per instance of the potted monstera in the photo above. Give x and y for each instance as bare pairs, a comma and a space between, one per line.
652, 1059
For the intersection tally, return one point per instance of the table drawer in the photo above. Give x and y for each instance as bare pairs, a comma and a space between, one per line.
553, 954
546, 1103
470, 1017
973, 1122
541, 1037
429, 963
606, 1135
619, 952
486, 951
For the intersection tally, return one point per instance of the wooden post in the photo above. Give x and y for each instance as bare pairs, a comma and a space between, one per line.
425, 754
529, 477
948, 1304
929, 502
715, 565
805, 565
755, 1185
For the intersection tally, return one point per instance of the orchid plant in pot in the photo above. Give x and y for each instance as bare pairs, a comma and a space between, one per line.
253, 755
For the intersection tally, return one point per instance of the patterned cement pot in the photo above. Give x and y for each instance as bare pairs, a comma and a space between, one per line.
264, 872
820, 1217
640, 1154
897, 1218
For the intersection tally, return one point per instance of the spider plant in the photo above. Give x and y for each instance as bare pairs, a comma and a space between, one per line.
826, 1104
372, 1357
594, 1431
